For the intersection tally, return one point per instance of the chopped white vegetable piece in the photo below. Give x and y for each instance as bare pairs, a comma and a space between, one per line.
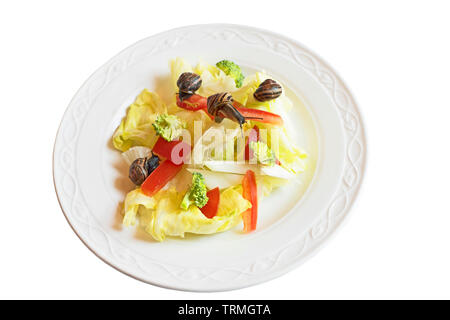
276, 171
241, 168
215, 179
136, 152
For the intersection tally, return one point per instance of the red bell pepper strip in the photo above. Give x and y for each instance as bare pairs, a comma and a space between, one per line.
252, 137
193, 103
165, 172
250, 192
265, 116
176, 151
197, 102
211, 207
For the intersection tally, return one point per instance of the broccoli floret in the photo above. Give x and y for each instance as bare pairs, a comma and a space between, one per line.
196, 195
233, 70
168, 126
263, 153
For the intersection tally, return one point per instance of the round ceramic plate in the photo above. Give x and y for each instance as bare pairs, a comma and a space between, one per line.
91, 177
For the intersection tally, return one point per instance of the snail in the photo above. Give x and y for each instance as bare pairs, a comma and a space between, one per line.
220, 105
188, 83
141, 168
268, 90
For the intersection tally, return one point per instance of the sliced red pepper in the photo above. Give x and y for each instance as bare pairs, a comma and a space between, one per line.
250, 192
193, 103
165, 172
252, 137
197, 102
265, 116
176, 151
211, 207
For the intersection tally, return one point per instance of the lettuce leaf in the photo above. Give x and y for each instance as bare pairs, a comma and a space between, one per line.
263, 153
136, 128
161, 215
214, 80
266, 184
289, 154
244, 95
218, 137
133, 201
291, 157
189, 118
177, 67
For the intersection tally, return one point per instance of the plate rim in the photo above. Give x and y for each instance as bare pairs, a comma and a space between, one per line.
273, 274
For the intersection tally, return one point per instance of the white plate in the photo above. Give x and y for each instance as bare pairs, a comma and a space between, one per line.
90, 177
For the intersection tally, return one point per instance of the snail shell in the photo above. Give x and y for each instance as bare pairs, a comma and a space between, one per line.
188, 83
138, 171
268, 90
217, 101
141, 168
220, 105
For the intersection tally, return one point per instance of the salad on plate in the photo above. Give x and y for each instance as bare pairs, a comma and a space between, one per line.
204, 162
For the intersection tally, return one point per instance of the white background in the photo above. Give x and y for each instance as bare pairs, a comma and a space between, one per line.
395, 57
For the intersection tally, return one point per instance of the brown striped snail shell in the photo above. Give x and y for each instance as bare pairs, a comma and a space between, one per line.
220, 105
216, 101
268, 90
138, 171
141, 168
188, 83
